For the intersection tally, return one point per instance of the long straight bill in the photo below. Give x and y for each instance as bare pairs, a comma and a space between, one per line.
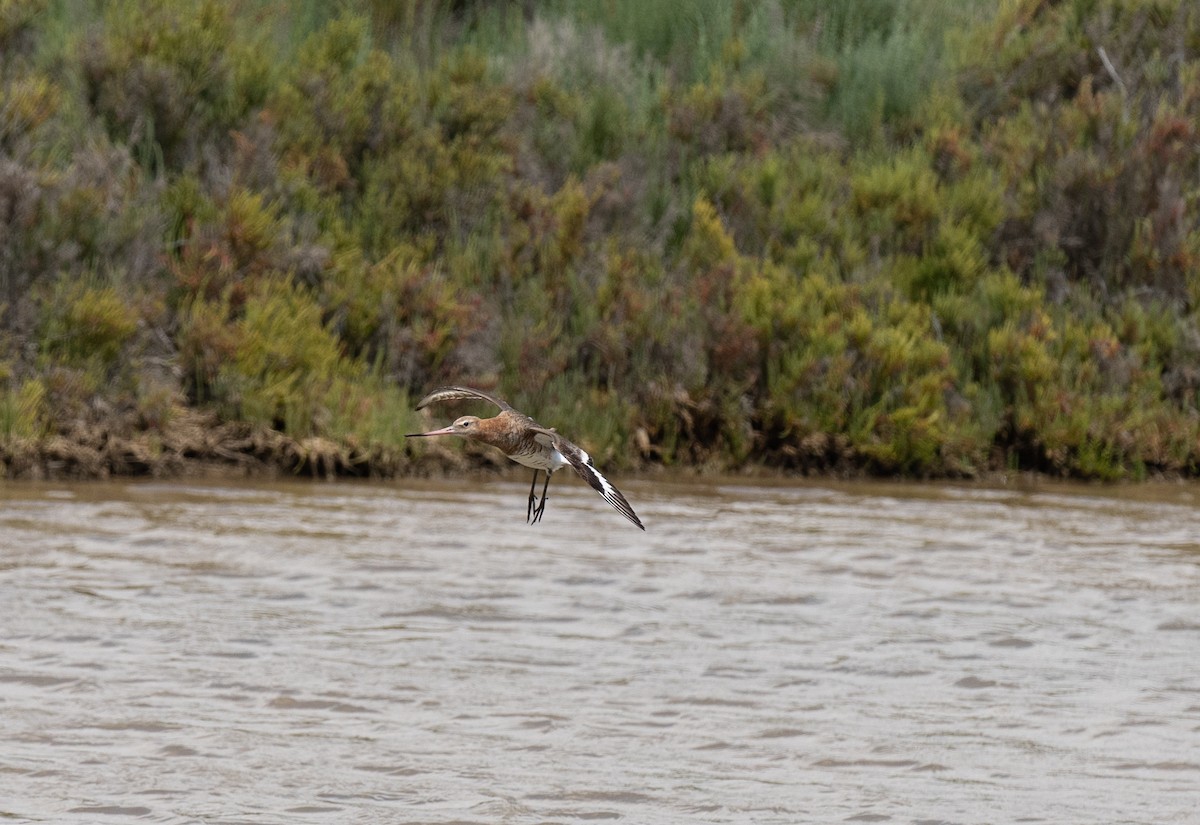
442, 431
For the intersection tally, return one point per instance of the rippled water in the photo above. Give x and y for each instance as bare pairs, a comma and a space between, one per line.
762, 654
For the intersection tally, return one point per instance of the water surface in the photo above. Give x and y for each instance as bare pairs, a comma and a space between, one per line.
323, 653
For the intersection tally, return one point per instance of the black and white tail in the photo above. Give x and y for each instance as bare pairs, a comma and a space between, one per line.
582, 462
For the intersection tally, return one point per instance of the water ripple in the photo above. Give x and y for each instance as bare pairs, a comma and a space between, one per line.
765, 653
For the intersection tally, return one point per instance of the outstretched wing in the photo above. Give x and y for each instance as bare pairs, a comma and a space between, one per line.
582, 462
458, 393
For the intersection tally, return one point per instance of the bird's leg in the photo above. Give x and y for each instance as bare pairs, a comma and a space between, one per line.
532, 498
541, 508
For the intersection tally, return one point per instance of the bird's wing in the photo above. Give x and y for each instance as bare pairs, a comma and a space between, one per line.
457, 393
582, 462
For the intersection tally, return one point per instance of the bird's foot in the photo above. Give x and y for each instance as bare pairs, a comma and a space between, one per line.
539, 511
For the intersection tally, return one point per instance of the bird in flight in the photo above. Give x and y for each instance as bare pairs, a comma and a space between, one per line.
528, 443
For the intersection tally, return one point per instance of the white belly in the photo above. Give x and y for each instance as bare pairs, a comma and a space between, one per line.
547, 459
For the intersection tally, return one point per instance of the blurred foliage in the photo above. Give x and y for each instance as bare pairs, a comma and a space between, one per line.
928, 239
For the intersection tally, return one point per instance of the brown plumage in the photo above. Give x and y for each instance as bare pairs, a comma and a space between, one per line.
528, 443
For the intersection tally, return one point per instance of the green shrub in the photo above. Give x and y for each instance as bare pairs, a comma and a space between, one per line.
286, 362
86, 321
916, 238
23, 412
231, 244
168, 76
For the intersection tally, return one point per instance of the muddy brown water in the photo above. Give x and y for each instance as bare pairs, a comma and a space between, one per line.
319, 653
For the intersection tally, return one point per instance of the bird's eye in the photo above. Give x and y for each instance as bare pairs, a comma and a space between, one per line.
466, 424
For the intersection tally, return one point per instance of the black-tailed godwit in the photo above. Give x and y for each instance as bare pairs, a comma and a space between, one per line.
528, 443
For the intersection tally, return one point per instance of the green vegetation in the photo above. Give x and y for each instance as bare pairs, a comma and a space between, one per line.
928, 238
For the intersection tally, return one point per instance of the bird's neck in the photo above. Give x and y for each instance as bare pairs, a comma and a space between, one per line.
500, 431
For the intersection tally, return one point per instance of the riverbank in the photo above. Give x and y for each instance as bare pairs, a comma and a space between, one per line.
195, 449
938, 240
195, 445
